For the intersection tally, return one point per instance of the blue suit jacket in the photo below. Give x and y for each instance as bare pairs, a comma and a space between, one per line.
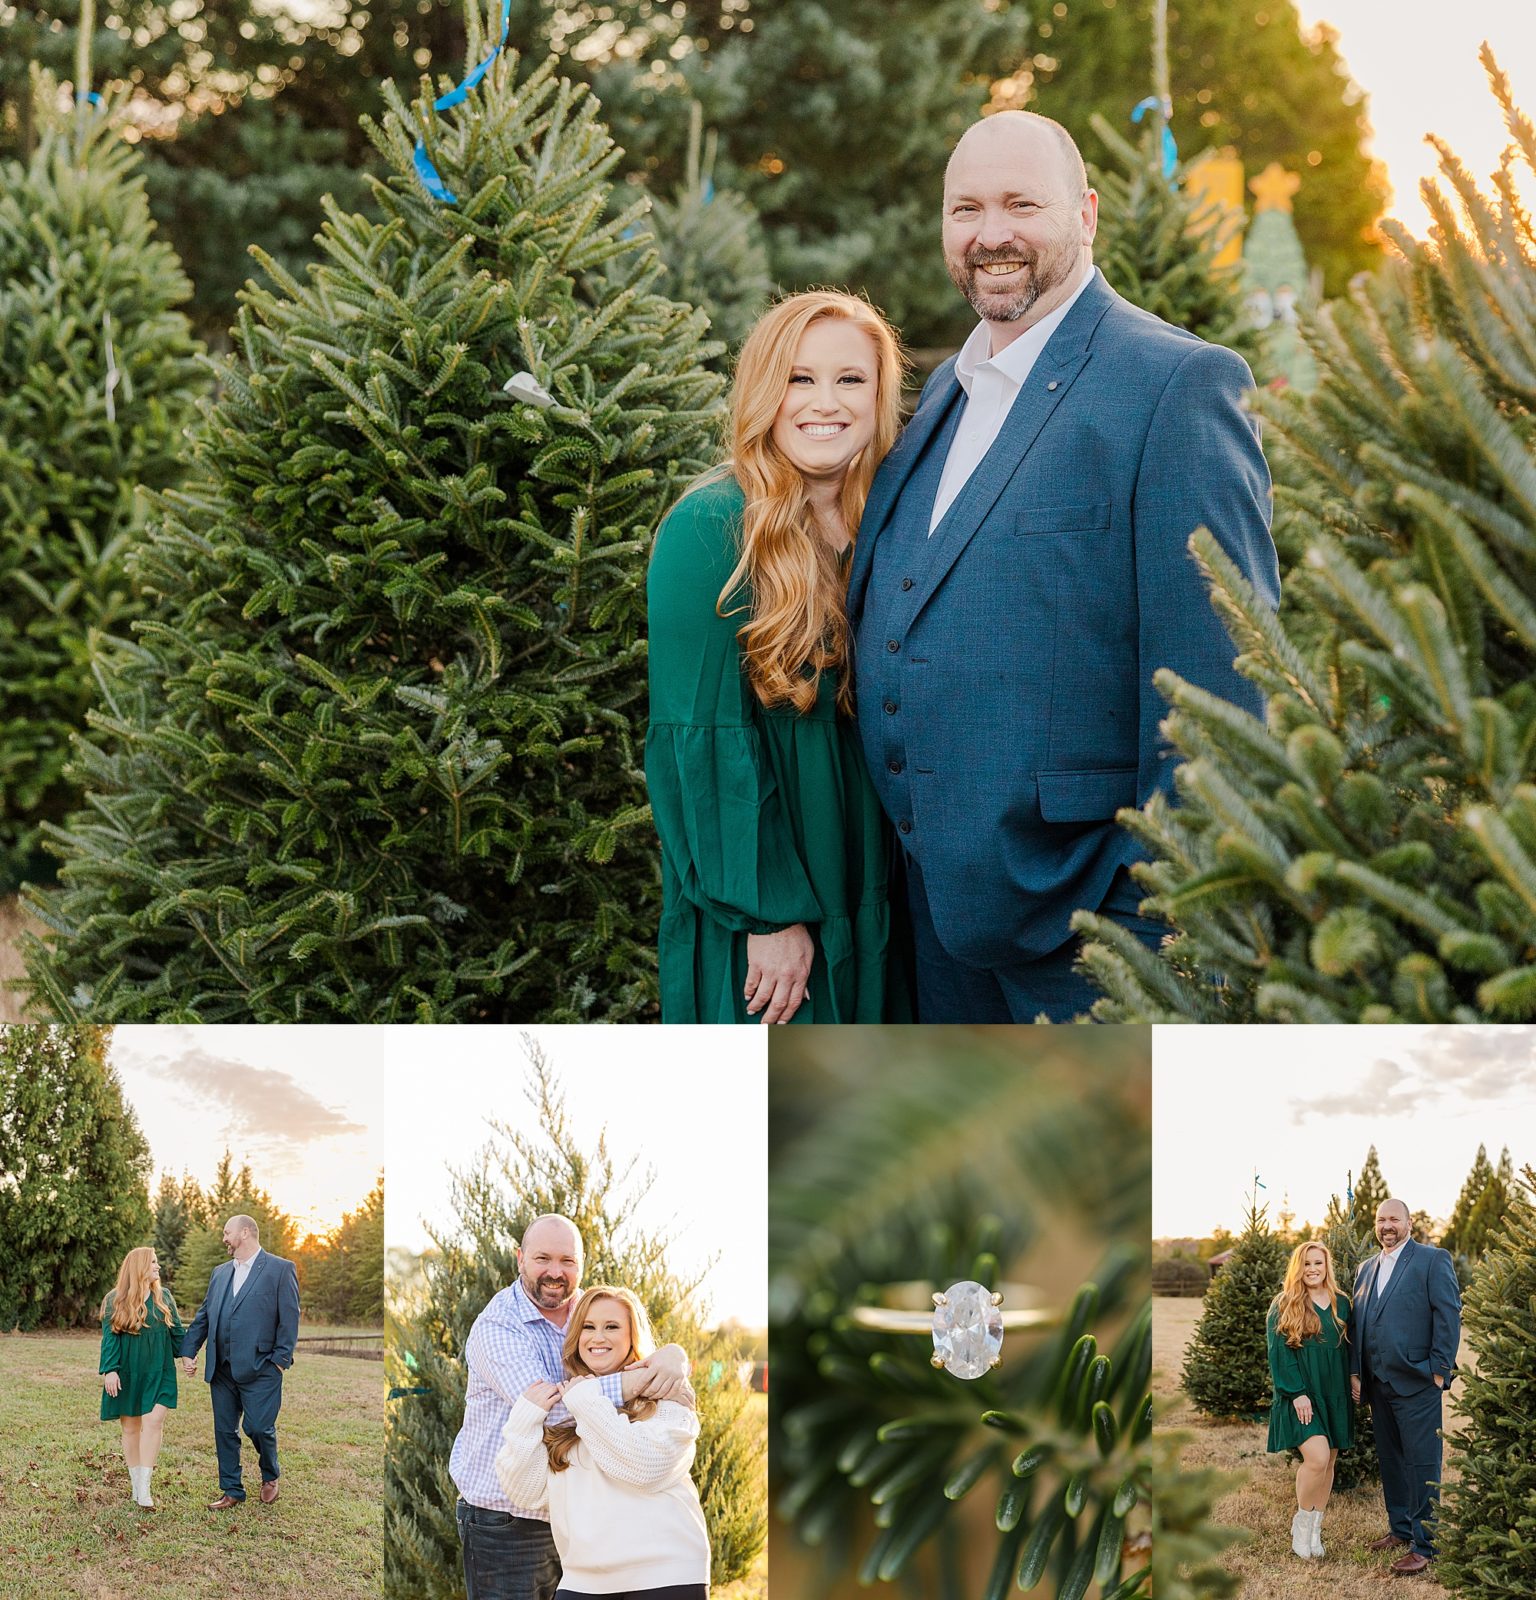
1414, 1331
1025, 638
263, 1318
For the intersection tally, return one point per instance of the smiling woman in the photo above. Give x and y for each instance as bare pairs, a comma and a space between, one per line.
774, 904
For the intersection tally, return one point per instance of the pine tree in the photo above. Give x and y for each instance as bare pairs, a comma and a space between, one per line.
1186, 1542
948, 1159
341, 1275
514, 1179
1226, 1365
1279, 280
74, 1176
1350, 1241
173, 1220
1368, 852
1471, 1191
1371, 1189
233, 1194
376, 756
1150, 250
1487, 1531
711, 245
97, 382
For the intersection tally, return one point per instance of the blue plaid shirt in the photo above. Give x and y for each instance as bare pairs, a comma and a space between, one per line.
511, 1345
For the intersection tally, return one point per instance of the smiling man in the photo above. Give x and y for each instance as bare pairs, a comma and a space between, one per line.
509, 1552
1402, 1355
1021, 573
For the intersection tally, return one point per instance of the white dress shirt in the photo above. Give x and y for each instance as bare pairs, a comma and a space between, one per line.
991, 384
242, 1272
1384, 1268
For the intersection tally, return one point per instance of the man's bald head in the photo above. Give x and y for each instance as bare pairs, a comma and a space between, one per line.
1023, 136
549, 1264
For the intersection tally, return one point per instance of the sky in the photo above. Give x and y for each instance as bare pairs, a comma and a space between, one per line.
690, 1103
1301, 1106
302, 1105
1417, 62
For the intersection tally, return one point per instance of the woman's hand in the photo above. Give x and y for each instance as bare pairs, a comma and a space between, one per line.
778, 970
543, 1395
571, 1382
1303, 1404
112, 1383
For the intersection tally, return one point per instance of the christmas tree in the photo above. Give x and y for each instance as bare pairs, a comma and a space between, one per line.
1278, 280
97, 379
1368, 851
1153, 249
711, 245
1371, 1189
234, 1194
1487, 1530
1477, 1180
376, 756
513, 1180
1226, 1365
74, 1176
1186, 1542
952, 1159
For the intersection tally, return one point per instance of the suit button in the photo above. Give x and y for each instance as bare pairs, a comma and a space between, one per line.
893, 766
904, 825
890, 708
893, 645
906, 583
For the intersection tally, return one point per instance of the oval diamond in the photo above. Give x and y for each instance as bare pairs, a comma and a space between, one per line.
967, 1330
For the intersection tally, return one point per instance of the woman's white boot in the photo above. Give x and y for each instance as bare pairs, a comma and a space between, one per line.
140, 1476
1317, 1532
1301, 1534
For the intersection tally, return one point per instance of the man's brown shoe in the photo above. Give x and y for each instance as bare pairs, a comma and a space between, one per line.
1409, 1566
1389, 1542
223, 1503
268, 1491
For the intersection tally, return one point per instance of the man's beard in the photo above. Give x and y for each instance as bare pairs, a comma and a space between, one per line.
1040, 278
548, 1294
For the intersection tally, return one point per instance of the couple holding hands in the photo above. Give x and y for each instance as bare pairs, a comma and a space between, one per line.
1392, 1347
249, 1320
574, 1461
901, 678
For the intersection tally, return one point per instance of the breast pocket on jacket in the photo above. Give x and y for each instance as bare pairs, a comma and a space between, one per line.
1089, 516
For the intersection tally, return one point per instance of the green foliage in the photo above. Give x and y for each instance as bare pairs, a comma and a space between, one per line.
97, 379
1371, 1189
1226, 1366
711, 245
234, 1194
341, 1276
950, 1158
513, 1179
1147, 248
375, 758
1180, 1276
1368, 852
74, 1176
1350, 1241
1186, 1543
1239, 76
1487, 1529
177, 1210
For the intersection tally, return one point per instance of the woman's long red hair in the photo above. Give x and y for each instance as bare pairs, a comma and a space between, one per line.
797, 619
1296, 1317
128, 1300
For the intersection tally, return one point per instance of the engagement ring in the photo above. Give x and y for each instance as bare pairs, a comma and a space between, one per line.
966, 1320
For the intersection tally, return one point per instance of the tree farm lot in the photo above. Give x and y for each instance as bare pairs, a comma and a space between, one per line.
1265, 1502
68, 1527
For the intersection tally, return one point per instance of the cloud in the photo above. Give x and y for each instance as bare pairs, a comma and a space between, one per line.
264, 1105
1487, 1064
1385, 1091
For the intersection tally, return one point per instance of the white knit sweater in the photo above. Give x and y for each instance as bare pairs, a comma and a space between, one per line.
624, 1513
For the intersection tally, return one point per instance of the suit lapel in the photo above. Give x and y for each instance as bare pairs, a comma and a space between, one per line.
1055, 370
892, 478
1397, 1272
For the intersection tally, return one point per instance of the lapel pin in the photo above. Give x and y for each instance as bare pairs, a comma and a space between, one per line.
1051, 384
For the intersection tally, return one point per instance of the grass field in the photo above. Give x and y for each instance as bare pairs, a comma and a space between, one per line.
1265, 1503
68, 1527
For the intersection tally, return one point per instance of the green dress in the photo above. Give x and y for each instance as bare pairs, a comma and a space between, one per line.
145, 1362
766, 816
1318, 1369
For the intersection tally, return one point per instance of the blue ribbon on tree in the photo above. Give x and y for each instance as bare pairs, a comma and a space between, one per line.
1170, 149
431, 179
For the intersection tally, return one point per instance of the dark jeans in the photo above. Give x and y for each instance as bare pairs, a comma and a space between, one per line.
506, 1557
257, 1404
673, 1591
949, 991
1408, 1443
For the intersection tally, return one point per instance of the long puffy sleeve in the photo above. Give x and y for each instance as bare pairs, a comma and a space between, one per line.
717, 806
111, 1345
1284, 1363
523, 1463
651, 1455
